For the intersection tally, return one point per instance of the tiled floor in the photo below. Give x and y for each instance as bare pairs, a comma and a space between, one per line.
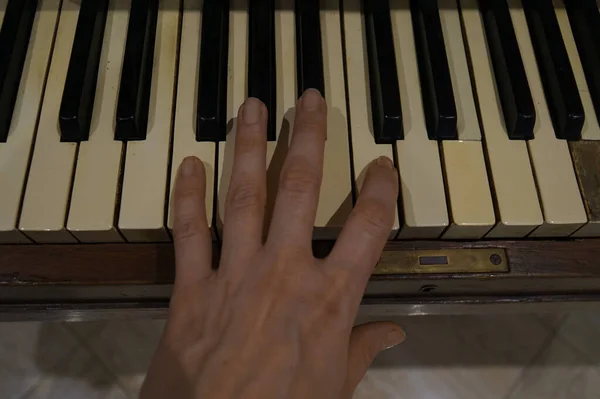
479, 357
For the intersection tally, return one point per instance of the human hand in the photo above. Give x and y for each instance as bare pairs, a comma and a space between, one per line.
272, 321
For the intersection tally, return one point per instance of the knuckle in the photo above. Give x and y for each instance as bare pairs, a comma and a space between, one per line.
183, 194
250, 138
299, 178
313, 124
188, 187
186, 228
373, 217
246, 195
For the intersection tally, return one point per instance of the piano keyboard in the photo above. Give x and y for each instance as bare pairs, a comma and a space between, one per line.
490, 111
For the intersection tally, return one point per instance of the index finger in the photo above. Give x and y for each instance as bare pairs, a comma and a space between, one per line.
361, 242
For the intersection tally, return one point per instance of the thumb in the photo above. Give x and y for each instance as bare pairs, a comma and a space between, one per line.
366, 341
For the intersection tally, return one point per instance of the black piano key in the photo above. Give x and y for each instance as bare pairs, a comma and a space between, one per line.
261, 62
383, 74
309, 49
511, 79
136, 75
80, 87
211, 122
14, 42
438, 98
584, 19
560, 87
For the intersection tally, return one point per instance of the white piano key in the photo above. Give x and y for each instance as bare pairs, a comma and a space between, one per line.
15, 153
556, 182
591, 128
335, 200
467, 121
286, 97
146, 170
514, 189
237, 83
469, 198
184, 133
97, 175
285, 68
364, 149
48, 189
422, 183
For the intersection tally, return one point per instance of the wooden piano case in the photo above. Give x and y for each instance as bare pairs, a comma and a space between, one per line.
73, 282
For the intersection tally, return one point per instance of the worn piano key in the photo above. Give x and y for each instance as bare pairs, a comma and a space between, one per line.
146, 168
585, 25
46, 198
14, 42
91, 216
184, 131
212, 82
80, 86
385, 107
309, 50
591, 125
15, 153
361, 130
555, 70
517, 205
261, 61
511, 80
585, 153
136, 75
470, 204
586, 160
553, 170
434, 72
422, 189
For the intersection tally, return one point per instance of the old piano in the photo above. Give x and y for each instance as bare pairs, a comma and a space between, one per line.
490, 110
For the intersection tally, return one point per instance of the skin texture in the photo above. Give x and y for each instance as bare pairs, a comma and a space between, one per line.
272, 321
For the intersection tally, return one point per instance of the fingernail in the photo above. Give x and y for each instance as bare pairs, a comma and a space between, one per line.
395, 336
311, 100
384, 162
251, 111
188, 167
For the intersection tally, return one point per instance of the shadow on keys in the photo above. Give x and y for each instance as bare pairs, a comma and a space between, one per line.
276, 155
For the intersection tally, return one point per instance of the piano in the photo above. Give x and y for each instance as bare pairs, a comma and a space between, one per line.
490, 110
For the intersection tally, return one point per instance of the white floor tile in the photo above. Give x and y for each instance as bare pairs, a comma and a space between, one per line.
126, 348
559, 373
582, 330
85, 330
81, 375
459, 357
28, 351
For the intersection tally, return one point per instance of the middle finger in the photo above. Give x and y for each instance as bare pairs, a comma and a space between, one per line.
301, 175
